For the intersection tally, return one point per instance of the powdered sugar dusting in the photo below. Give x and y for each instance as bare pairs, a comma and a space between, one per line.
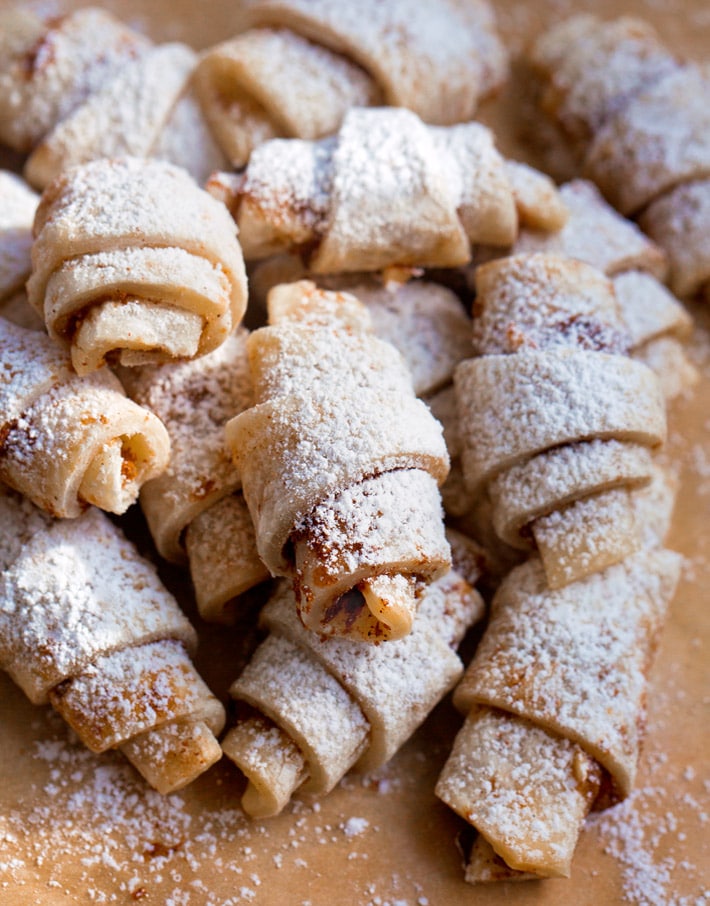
646, 834
69, 59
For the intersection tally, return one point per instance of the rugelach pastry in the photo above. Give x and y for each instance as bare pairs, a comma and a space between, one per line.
386, 190
84, 86
66, 440
637, 119
657, 322
340, 466
195, 510
312, 708
428, 324
435, 58
86, 625
134, 263
557, 422
555, 701
424, 320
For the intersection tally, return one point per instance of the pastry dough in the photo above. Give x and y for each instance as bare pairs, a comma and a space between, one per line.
95, 89
340, 465
438, 59
424, 320
679, 221
18, 204
195, 509
67, 441
639, 122
658, 326
133, 262
320, 706
657, 323
590, 70
69, 58
86, 624
555, 700
387, 190
557, 423
123, 117
594, 232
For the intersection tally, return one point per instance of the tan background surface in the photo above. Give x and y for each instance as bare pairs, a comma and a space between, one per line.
77, 828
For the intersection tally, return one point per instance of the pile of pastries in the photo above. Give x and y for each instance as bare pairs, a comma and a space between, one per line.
446, 410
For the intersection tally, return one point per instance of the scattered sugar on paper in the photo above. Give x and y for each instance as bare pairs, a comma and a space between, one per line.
631, 835
91, 828
645, 834
354, 827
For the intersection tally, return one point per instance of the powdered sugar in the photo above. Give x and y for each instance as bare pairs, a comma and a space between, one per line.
17, 207
77, 590
68, 60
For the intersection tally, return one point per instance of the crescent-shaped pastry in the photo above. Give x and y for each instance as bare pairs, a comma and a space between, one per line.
84, 86
319, 706
557, 423
134, 263
679, 221
340, 466
67, 441
86, 625
594, 232
640, 125
49, 67
437, 59
660, 139
123, 117
425, 321
387, 190
554, 700
195, 510
590, 69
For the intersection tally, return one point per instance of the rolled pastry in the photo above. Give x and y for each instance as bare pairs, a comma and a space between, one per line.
195, 510
85, 86
340, 466
656, 321
557, 423
123, 117
679, 221
320, 706
387, 190
86, 625
49, 67
134, 263
555, 706
658, 326
67, 441
595, 233
640, 123
424, 320
18, 204
438, 59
